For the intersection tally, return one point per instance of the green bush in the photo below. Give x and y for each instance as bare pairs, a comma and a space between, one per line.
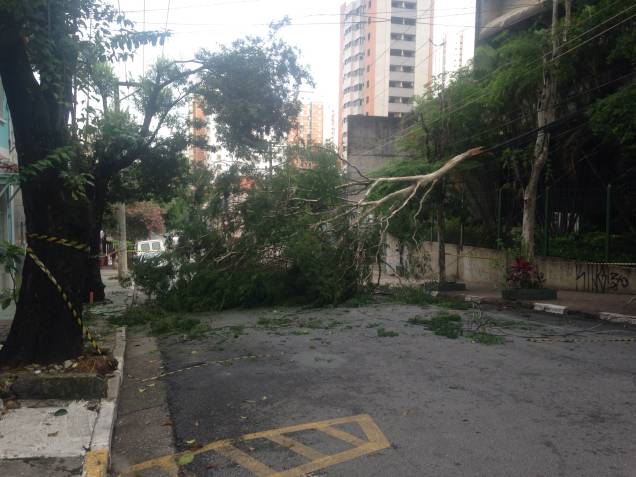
590, 247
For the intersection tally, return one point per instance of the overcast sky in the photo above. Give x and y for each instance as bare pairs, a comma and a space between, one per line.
314, 29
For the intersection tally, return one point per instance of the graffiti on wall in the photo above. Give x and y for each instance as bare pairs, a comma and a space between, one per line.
599, 278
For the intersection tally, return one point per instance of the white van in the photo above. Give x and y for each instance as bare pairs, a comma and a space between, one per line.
149, 248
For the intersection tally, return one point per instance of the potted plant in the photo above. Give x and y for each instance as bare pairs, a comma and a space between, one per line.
525, 282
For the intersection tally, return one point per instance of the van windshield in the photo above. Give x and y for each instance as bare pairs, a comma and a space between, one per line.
145, 247
156, 246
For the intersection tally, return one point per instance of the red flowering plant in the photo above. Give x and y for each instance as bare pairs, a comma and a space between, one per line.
523, 274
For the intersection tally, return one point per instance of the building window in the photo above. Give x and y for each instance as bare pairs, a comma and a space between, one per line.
402, 21
367, 100
402, 37
401, 84
400, 100
407, 5
405, 53
368, 84
368, 68
402, 68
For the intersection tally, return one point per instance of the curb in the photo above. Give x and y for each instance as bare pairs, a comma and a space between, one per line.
97, 458
618, 318
615, 318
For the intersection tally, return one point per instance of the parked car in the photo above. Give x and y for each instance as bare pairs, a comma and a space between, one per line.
149, 249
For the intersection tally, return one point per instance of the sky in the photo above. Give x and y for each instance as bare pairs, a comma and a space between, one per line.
315, 30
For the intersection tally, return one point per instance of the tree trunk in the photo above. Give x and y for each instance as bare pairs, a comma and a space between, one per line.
530, 195
546, 114
44, 330
441, 242
94, 281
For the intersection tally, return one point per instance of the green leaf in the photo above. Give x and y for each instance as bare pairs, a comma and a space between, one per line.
185, 459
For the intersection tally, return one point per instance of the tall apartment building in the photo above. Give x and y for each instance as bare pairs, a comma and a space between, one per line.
386, 58
204, 129
309, 127
199, 131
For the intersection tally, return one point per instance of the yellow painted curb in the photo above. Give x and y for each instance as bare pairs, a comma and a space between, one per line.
96, 463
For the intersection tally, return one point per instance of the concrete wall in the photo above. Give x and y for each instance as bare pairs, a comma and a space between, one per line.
372, 142
487, 267
494, 16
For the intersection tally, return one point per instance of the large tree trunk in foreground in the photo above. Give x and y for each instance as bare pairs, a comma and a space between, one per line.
44, 329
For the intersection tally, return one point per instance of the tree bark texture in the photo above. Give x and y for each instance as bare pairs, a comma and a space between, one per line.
94, 281
44, 329
546, 114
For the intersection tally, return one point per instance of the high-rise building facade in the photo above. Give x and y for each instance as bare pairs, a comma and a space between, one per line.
309, 126
386, 58
204, 131
199, 132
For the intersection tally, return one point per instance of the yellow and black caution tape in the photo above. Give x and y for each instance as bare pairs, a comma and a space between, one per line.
61, 241
582, 340
222, 362
66, 299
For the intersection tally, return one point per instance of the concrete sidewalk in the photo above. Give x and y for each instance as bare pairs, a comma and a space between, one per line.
575, 302
66, 438
591, 304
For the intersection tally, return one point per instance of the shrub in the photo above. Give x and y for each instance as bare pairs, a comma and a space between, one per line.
523, 274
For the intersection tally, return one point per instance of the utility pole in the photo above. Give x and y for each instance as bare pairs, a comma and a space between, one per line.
122, 263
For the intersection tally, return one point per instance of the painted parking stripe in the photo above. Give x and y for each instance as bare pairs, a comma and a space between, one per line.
375, 441
244, 460
297, 447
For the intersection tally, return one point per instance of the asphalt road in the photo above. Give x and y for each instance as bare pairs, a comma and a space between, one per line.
445, 407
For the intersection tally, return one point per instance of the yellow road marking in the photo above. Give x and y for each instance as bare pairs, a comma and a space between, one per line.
376, 441
96, 463
342, 435
297, 447
328, 461
245, 461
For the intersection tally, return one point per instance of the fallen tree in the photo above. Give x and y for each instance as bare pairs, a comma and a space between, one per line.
55, 55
